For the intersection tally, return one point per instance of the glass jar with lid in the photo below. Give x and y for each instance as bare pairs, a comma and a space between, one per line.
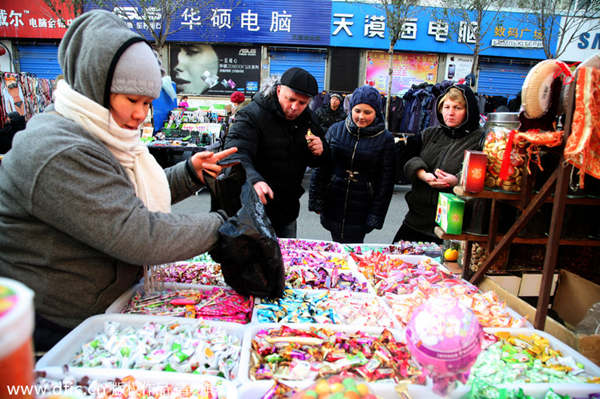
504, 172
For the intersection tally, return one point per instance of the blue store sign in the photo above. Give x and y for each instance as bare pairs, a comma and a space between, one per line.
364, 26
248, 21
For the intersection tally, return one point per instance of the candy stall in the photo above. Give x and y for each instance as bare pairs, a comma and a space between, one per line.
355, 321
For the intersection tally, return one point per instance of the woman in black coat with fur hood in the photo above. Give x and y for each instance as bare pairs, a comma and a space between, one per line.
353, 189
439, 163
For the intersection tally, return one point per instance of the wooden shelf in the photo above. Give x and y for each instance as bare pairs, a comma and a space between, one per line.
585, 242
505, 196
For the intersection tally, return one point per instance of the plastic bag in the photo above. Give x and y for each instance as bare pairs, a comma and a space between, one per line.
225, 189
248, 250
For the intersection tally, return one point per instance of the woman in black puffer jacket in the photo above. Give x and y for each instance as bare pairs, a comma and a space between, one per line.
439, 163
352, 191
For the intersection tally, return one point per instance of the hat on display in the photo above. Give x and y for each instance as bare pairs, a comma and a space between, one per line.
137, 72
366, 95
301, 81
237, 97
339, 97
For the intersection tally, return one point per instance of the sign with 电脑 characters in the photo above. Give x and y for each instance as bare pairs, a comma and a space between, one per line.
245, 21
363, 25
33, 19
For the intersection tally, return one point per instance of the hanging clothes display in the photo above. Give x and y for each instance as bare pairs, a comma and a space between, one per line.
23, 93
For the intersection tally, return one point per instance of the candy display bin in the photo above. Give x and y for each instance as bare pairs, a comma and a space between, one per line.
251, 389
538, 391
65, 350
120, 304
386, 319
311, 245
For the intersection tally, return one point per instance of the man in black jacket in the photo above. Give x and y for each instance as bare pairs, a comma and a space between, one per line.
330, 113
275, 146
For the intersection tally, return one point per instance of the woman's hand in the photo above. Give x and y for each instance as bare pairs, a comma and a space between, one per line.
426, 176
448, 179
207, 161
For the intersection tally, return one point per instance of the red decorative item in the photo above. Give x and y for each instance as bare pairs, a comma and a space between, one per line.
474, 167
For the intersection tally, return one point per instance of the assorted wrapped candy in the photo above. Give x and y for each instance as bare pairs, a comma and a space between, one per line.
289, 354
196, 348
310, 245
392, 274
329, 307
489, 310
526, 359
212, 303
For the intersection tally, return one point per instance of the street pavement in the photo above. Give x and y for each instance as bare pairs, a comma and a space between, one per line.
309, 226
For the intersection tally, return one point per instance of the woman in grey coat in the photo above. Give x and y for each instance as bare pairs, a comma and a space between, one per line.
82, 203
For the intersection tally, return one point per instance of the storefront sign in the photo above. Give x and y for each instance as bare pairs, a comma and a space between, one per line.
33, 19
364, 26
517, 43
251, 21
586, 42
218, 70
408, 69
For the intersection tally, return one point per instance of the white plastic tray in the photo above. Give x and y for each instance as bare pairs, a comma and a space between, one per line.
539, 390
254, 389
120, 304
64, 351
363, 295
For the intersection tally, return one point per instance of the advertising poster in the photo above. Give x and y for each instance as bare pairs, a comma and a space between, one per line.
215, 70
458, 67
408, 69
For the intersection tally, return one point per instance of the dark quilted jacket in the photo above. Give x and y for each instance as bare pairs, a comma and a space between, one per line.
274, 150
327, 117
443, 148
354, 203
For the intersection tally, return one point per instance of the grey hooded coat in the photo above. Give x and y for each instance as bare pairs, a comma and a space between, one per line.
71, 226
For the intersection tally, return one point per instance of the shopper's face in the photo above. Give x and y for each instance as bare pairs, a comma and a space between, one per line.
334, 103
197, 68
129, 110
292, 103
454, 113
363, 115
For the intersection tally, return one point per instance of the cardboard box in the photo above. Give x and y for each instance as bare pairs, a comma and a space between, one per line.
531, 283
574, 296
450, 211
512, 284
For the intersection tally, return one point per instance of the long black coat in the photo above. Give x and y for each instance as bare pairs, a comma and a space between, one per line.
352, 191
274, 150
442, 148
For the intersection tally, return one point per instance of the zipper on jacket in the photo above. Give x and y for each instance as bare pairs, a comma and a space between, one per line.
348, 183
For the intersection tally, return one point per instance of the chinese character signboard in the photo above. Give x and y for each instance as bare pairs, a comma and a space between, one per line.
408, 69
32, 19
250, 21
363, 25
218, 70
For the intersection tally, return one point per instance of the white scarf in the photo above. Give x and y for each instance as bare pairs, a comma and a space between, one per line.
146, 175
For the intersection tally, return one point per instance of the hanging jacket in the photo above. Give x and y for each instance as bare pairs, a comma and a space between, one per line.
353, 189
274, 150
442, 148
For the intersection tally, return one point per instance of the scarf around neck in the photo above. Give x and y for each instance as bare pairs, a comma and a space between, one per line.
146, 175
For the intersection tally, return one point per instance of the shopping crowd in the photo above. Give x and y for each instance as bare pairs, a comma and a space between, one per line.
80, 181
